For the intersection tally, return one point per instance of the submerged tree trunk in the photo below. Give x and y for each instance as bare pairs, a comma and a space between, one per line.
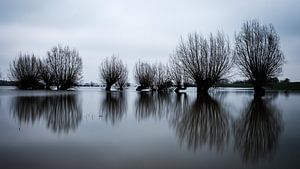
203, 89
259, 91
48, 87
108, 87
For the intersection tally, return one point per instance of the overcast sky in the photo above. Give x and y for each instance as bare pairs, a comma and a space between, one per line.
136, 29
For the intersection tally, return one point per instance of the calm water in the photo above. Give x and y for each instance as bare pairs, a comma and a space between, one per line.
90, 128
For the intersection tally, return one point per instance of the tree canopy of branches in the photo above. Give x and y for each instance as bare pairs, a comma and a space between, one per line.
204, 61
162, 79
26, 70
145, 75
65, 65
257, 54
121, 83
46, 75
113, 70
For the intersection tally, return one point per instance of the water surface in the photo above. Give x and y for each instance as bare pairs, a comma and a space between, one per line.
91, 128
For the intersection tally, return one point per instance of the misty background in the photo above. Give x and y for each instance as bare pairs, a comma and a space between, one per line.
136, 29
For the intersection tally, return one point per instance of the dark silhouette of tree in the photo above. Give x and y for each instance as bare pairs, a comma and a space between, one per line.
26, 71
112, 70
46, 75
204, 122
144, 74
121, 83
65, 65
162, 79
204, 61
114, 107
257, 54
257, 130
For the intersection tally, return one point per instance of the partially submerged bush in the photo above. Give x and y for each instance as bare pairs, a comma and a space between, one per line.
26, 71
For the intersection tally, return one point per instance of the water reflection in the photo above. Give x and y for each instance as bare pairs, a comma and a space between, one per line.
257, 130
114, 107
150, 104
61, 112
203, 123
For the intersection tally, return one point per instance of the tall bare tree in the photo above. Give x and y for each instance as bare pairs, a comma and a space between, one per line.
65, 64
112, 70
204, 61
26, 70
144, 74
257, 54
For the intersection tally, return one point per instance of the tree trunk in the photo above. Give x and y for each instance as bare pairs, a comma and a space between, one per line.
121, 88
259, 91
48, 87
108, 87
202, 89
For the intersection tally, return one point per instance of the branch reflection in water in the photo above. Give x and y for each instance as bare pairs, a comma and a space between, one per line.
62, 112
204, 122
257, 130
154, 105
114, 107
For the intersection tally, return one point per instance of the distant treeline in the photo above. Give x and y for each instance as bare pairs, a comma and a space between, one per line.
272, 85
7, 83
196, 60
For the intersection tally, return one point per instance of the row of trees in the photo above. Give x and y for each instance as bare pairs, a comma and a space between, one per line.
62, 67
205, 62
198, 60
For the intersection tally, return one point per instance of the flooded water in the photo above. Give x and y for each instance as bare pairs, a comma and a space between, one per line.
91, 128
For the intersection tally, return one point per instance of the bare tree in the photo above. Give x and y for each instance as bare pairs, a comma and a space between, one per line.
65, 65
46, 75
144, 75
257, 54
123, 79
162, 79
112, 70
204, 61
26, 70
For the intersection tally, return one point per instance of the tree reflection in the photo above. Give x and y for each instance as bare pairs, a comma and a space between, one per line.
257, 130
151, 104
61, 112
204, 122
114, 106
